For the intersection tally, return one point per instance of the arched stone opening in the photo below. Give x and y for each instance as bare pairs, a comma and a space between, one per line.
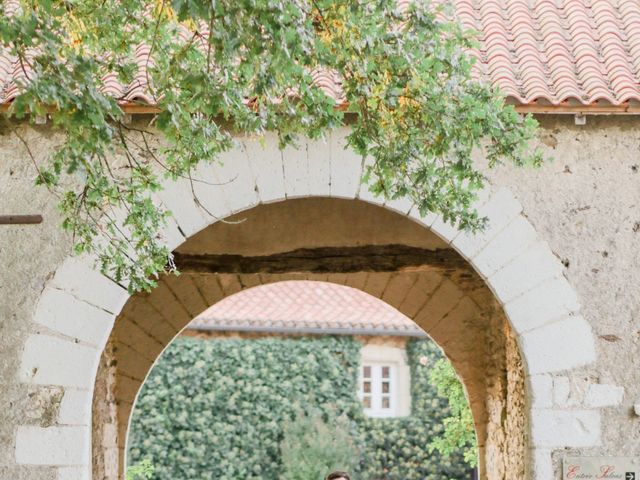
76, 312
339, 241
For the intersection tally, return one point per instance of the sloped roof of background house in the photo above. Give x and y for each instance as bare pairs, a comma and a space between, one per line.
538, 52
305, 307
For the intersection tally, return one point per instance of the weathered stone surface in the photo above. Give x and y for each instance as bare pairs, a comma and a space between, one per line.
583, 206
541, 391
599, 395
63, 313
549, 301
75, 407
584, 203
28, 473
559, 346
48, 360
52, 446
73, 473
565, 428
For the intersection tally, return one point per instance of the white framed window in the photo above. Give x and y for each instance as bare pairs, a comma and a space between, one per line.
378, 389
384, 379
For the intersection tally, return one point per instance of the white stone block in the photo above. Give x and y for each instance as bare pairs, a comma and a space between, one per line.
500, 209
542, 464
528, 270
319, 162
541, 391
561, 391
110, 435
295, 164
364, 192
546, 303
505, 246
178, 198
558, 346
64, 313
111, 461
426, 220
209, 192
600, 395
74, 473
346, 167
402, 205
565, 428
63, 446
444, 230
236, 178
48, 360
171, 235
265, 159
78, 277
482, 197
75, 407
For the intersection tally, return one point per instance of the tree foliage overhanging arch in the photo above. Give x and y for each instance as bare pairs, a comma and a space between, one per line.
225, 66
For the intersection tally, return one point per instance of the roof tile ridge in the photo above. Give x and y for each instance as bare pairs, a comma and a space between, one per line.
619, 70
497, 49
560, 60
630, 13
532, 70
467, 14
589, 67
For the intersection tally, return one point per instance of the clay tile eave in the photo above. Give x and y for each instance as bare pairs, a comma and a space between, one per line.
588, 50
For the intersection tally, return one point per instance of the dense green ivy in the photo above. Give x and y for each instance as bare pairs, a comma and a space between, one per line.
397, 448
216, 409
219, 409
228, 66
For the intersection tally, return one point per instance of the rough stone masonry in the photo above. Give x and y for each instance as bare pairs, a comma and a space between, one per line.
561, 258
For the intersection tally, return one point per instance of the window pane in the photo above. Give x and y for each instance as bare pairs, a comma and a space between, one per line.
385, 372
385, 387
366, 372
366, 387
386, 403
366, 402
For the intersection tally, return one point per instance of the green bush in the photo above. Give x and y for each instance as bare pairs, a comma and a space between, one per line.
315, 444
140, 471
459, 433
220, 408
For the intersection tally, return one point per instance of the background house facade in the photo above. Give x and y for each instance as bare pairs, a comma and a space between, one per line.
257, 359
305, 308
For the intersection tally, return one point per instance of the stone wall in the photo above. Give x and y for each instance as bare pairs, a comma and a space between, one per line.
29, 254
451, 302
506, 430
584, 204
104, 441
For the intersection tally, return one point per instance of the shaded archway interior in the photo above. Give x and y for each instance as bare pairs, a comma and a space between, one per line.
304, 239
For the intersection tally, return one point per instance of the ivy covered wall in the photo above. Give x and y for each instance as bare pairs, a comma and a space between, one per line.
217, 408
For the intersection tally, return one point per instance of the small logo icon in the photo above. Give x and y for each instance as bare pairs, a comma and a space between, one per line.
630, 476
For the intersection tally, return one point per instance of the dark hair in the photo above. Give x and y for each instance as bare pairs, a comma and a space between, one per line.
336, 475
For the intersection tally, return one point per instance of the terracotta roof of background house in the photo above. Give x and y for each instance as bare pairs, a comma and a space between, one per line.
305, 307
583, 53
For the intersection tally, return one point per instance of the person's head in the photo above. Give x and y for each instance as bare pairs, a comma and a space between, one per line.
338, 476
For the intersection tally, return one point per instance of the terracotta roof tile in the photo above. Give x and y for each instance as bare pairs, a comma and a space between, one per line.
535, 51
300, 305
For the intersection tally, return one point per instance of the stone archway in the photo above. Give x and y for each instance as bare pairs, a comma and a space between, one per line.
79, 307
346, 242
